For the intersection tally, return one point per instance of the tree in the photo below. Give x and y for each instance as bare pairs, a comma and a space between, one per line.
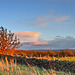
8, 40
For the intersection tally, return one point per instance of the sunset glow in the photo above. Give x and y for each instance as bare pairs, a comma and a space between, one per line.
37, 37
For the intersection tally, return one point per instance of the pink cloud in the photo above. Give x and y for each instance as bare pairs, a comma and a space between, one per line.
44, 21
58, 19
39, 19
42, 24
39, 43
28, 36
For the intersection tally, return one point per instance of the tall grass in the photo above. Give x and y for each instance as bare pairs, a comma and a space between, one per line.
13, 68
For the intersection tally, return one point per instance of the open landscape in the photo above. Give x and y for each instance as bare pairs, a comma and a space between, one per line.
37, 37
37, 62
20, 62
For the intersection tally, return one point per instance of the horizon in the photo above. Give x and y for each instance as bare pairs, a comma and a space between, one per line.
41, 24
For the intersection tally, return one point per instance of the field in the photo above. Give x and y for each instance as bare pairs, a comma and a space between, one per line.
17, 62
15, 68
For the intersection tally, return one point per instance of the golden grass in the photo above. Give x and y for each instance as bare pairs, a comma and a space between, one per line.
55, 58
12, 68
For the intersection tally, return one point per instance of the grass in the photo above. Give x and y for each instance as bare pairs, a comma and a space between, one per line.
26, 70
66, 58
13, 68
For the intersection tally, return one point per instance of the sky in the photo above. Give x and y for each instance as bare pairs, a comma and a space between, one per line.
50, 19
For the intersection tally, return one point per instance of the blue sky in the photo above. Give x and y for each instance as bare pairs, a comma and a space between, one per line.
50, 17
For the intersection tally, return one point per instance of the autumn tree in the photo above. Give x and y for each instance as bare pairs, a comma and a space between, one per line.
8, 40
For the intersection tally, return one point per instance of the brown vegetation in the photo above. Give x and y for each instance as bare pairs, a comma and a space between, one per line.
7, 40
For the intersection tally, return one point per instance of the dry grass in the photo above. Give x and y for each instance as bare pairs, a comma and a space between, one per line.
55, 58
12, 68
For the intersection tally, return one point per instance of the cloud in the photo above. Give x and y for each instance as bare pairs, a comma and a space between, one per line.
39, 19
58, 43
42, 24
43, 21
28, 36
62, 43
39, 43
35, 43
57, 19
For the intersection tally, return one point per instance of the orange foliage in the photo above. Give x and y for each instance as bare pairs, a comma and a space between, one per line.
35, 53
